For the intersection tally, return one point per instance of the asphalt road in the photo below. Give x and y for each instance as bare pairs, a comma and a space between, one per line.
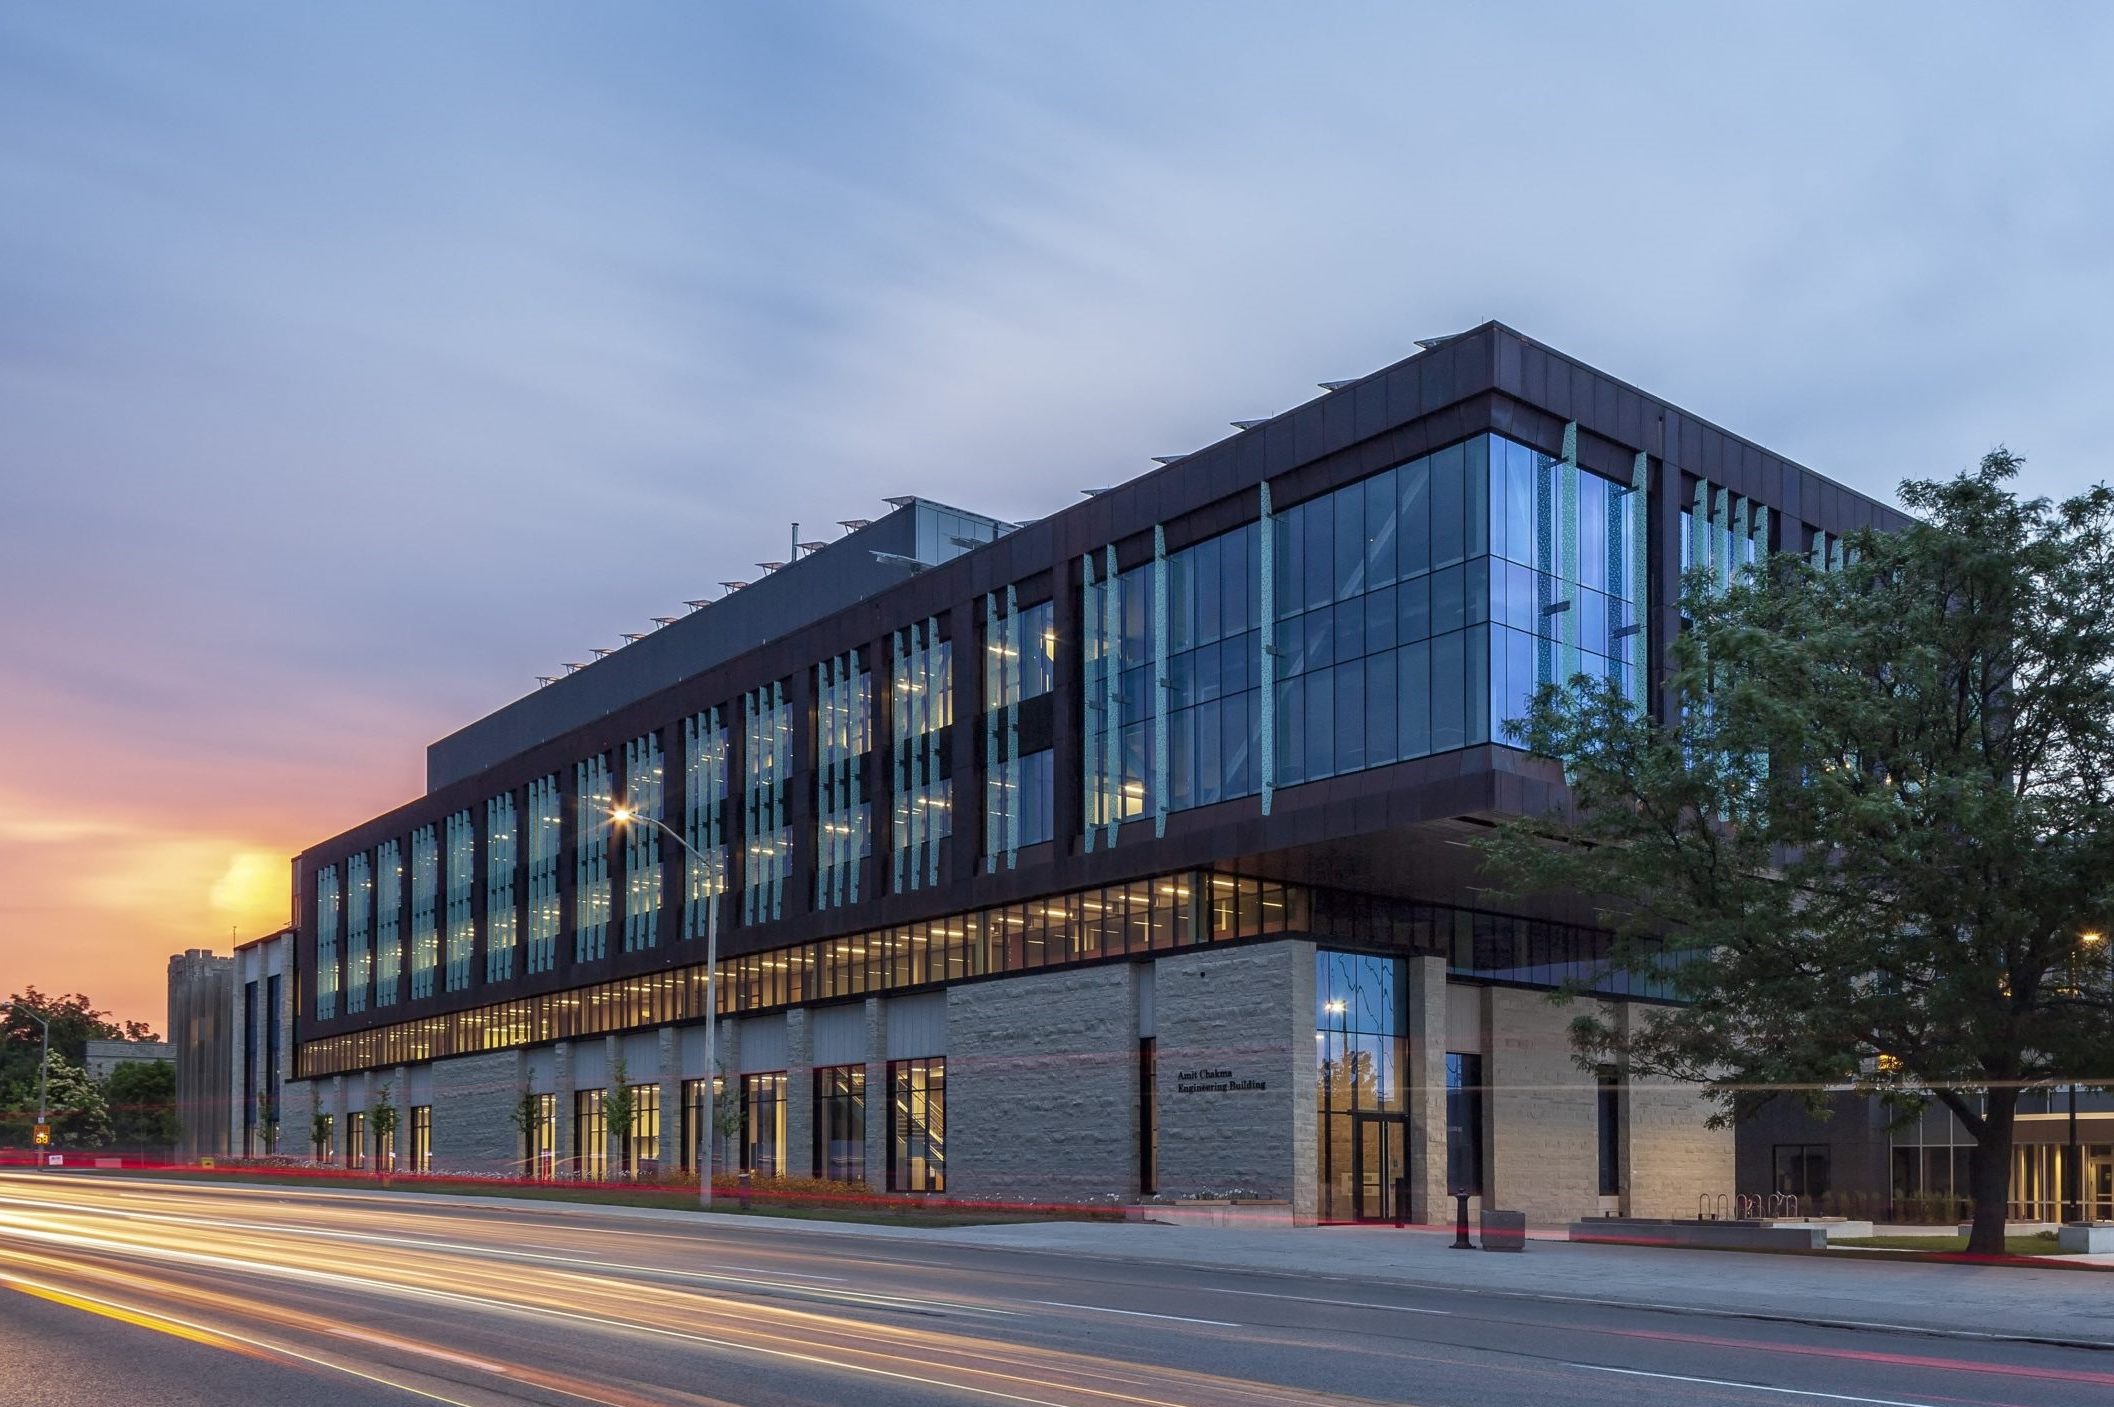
126, 1291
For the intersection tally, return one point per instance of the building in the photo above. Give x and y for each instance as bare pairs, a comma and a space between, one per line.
1861, 1159
202, 1047
260, 1013
1119, 853
103, 1057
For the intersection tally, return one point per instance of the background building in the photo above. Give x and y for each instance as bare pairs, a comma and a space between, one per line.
1124, 852
201, 1043
102, 1057
260, 1019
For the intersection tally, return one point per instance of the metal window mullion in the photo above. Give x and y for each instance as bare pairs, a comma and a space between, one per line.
1089, 738
1010, 662
1568, 622
1159, 671
1266, 634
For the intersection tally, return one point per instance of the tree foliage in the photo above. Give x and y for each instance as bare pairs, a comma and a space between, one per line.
75, 1021
141, 1095
1873, 813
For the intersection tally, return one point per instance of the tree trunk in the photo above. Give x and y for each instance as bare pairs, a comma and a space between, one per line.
1989, 1171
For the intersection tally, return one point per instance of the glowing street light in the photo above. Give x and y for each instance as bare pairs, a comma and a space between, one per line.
624, 815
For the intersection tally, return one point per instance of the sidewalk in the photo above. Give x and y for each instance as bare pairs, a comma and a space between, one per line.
1960, 1300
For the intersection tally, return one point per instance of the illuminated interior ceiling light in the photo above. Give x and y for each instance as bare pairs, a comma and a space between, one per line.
1332, 385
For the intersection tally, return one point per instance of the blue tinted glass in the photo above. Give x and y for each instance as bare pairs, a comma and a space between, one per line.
1350, 716
1317, 531
1380, 619
1350, 628
1519, 501
1181, 758
1413, 697
1320, 688
1449, 660
1233, 589
1380, 722
1476, 492
1475, 585
1349, 510
1413, 609
1181, 601
1449, 527
1209, 759
1449, 599
1288, 568
1476, 678
1413, 524
1292, 730
1320, 650
1382, 508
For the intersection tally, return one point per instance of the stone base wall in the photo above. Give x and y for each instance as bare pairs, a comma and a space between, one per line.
473, 1114
1042, 1087
1672, 1156
1544, 1143
1236, 1077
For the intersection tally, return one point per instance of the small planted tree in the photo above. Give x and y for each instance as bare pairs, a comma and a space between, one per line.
319, 1135
381, 1119
620, 1110
527, 1118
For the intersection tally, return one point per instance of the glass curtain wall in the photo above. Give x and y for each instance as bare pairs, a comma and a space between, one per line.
359, 932
546, 914
595, 799
1362, 1070
767, 756
843, 745
643, 785
425, 920
921, 710
704, 818
1019, 664
502, 925
388, 921
642, 1144
326, 942
541, 1152
462, 879
590, 1136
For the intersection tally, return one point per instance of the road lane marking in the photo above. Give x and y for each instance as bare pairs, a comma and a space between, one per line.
1747, 1387
1137, 1313
1312, 1299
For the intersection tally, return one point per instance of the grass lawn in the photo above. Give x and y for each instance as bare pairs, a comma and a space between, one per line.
2039, 1245
882, 1213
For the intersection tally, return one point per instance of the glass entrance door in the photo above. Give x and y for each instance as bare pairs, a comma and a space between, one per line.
1377, 1162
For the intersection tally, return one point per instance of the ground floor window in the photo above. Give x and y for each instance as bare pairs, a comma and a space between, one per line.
840, 1123
540, 1156
590, 1136
2045, 1180
1800, 1169
642, 1145
421, 1138
1466, 1102
1608, 1110
1360, 1071
326, 1139
693, 1123
763, 1123
917, 1126
356, 1139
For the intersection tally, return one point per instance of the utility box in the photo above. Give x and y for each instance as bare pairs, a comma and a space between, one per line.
1504, 1231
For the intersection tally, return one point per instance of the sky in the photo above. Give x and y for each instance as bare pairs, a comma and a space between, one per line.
359, 364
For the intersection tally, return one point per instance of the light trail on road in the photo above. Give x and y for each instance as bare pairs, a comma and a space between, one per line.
478, 1304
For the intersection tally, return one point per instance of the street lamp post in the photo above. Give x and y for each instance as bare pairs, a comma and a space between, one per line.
43, 1068
2073, 1208
620, 816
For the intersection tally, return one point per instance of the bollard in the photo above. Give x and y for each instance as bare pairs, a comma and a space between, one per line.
1460, 1223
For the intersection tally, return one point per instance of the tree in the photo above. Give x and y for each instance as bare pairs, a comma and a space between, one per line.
620, 1109
141, 1095
527, 1117
320, 1135
1873, 819
79, 1116
381, 1122
74, 1023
